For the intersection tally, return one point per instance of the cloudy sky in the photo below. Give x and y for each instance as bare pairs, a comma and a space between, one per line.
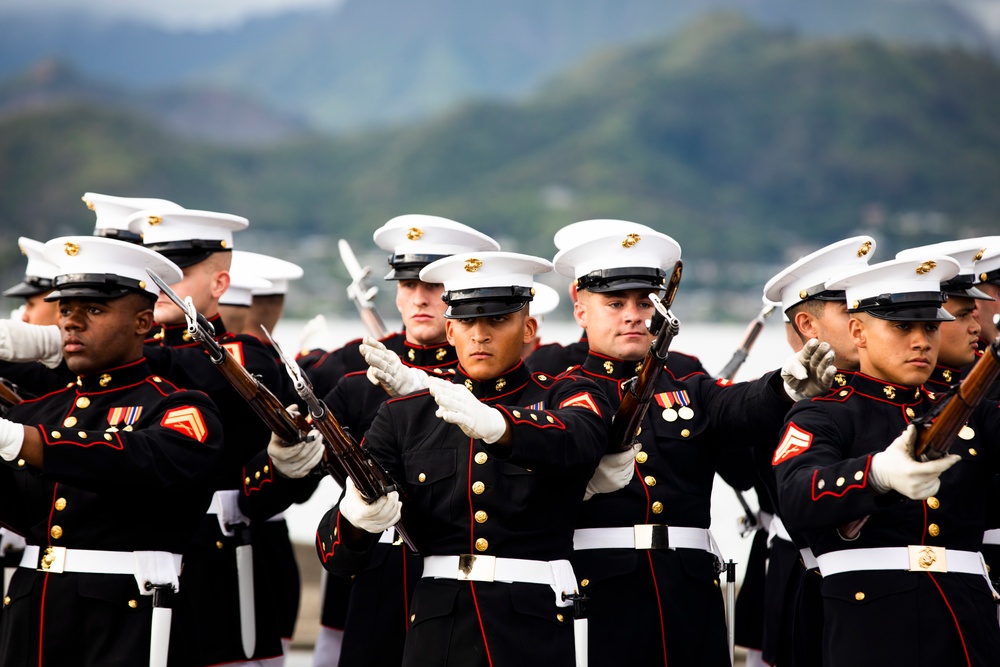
174, 13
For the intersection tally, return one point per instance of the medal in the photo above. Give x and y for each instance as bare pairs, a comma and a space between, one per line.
686, 412
670, 415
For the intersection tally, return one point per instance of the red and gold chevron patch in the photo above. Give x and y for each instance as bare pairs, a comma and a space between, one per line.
187, 420
794, 443
581, 400
235, 349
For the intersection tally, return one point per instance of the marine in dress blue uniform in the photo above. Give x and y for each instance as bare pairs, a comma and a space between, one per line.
110, 482
648, 600
911, 587
490, 504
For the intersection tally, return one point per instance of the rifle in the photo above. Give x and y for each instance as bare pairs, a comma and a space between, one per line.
749, 338
638, 392
290, 427
361, 291
750, 520
936, 430
342, 456
9, 396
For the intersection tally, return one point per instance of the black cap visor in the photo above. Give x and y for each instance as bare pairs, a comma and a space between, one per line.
617, 280
485, 302
29, 287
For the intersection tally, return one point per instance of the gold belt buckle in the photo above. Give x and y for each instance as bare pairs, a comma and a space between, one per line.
477, 568
52, 559
652, 536
924, 558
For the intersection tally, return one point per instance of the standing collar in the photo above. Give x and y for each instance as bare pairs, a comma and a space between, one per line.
896, 394
609, 367
113, 378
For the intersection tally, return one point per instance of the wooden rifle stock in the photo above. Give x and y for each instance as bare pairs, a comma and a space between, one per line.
8, 394
639, 390
936, 431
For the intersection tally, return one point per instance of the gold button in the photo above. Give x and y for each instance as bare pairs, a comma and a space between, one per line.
638, 432
267, 469
481, 458
60, 504
478, 488
481, 516
933, 503
6, 600
69, 422
219, 544
516, 413
133, 604
482, 544
543, 378
859, 596
933, 530
550, 419
820, 484
246, 480
910, 413
256, 475
157, 379
421, 477
840, 481
858, 475
20, 463
82, 434
649, 480
716, 582
584, 583
685, 433
56, 435
657, 507
560, 618
641, 457
83, 402
56, 532
107, 436
413, 617
972, 451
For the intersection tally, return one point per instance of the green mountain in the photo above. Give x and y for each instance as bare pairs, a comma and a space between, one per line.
751, 146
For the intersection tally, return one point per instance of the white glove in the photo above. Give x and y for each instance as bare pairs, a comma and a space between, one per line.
296, 461
896, 469
383, 513
316, 335
809, 372
457, 405
385, 368
20, 341
16, 314
613, 473
11, 439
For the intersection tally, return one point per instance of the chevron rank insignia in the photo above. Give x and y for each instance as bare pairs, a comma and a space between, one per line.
581, 400
794, 443
187, 420
235, 349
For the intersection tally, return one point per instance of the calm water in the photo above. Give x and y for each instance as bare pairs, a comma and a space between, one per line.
713, 344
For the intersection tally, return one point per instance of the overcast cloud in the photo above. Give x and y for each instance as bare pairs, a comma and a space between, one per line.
174, 13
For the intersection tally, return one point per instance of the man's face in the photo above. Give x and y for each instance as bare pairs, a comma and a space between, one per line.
959, 339
488, 346
202, 283
899, 352
422, 310
987, 310
99, 334
38, 311
616, 322
830, 326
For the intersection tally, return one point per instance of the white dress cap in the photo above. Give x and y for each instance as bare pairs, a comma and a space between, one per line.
415, 241
988, 266
93, 266
38, 274
806, 278
242, 287
113, 213
186, 236
480, 284
276, 272
967, 253
620, 261
906, 290
545, 299
587, 230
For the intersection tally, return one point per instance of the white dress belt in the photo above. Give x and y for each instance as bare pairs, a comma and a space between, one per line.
90, 561
912, 558
470, 567
777, 530
645, 536
992, 536
808, 558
